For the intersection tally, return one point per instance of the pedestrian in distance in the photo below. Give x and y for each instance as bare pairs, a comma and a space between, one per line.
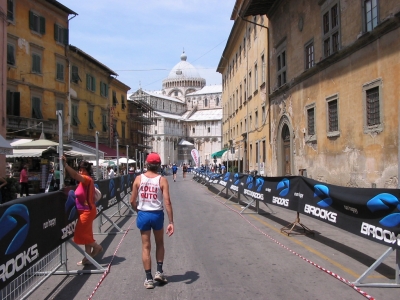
184, 170
23, 180
150, 194
110, 172
174, 171
86, 207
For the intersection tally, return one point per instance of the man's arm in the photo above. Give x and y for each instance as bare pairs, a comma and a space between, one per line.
168, 205
134, 194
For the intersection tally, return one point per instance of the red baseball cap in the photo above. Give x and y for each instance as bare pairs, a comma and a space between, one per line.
153, 158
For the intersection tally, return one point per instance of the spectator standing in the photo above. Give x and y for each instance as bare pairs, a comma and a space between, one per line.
223, 169
3, 183
150, 193
86, 207
184, 170
110, 172
23, 180
174, 171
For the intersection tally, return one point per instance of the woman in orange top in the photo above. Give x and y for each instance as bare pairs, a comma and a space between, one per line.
86, 208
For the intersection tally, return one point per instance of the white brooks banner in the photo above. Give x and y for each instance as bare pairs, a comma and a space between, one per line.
195, 155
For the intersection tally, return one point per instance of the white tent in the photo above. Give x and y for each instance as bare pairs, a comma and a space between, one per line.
122, 160
185, 143
94, 162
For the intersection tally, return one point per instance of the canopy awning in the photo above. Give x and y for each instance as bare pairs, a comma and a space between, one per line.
231, 156
122, 160
219, 153
27, 153
80, 153
5, 147
185, 143
108, 152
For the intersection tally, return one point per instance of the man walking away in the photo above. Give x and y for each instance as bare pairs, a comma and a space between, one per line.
150, 192
174, 170
184, 169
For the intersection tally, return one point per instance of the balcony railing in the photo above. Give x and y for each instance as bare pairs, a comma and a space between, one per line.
16, 123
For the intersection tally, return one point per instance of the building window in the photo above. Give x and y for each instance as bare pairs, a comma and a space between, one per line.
176, 93
217, 101
90, 83
205, 102
10, 10
332, 116
13, 103
60, 71
37, 23
209, 129
330, 27
309, 55
74, 116
36, 63
193, 130
263, 69
103, 89
263, 115
249, 87
123, 130
91, 123
311, 126
244, 91
123, 105
281, 68
10, 54
60, 34
104, 126
371, 15
36, 108
255, 77
372, 101
75, 74
256, 119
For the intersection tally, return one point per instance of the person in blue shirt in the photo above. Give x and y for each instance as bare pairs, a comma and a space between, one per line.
174, 170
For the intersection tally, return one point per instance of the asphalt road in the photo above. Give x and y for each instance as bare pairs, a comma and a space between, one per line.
217, 253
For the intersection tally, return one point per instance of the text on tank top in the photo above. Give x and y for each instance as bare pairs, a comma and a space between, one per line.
150, 195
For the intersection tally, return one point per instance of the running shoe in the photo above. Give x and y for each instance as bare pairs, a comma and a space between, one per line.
160, 277
149, 284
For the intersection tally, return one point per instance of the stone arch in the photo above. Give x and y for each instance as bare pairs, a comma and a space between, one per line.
285, 147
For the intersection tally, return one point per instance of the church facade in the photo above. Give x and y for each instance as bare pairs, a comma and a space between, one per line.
187, 114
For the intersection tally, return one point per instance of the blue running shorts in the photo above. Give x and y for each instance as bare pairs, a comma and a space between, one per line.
147, 220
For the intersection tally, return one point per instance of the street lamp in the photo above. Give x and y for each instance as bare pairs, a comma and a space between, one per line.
127, 159
117, 157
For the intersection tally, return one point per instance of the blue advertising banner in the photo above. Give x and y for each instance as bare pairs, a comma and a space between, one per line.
373, 214
32, 227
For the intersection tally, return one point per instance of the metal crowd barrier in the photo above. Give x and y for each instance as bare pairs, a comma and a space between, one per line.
55, 262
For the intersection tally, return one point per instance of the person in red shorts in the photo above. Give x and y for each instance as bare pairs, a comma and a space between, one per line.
85, 205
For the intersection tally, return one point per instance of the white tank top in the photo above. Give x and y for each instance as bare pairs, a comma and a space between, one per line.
150, 195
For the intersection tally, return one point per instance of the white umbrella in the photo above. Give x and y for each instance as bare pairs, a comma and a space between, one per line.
122, 160
107, 163
94, 162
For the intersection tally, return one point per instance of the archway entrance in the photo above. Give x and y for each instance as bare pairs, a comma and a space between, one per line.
286, 160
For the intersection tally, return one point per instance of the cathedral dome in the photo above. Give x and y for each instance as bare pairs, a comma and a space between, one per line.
183, 70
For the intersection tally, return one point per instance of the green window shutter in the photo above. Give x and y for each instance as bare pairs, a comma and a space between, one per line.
10, 54
94, 84
88, 81
31, 24
66, 36
106, 90
56, 32
42, 22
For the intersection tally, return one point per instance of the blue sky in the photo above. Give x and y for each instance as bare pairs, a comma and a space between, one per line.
143, 40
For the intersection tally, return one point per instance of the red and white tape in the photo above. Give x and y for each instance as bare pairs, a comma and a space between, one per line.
345, 281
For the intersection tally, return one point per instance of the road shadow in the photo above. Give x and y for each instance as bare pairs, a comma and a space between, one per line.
188, 278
